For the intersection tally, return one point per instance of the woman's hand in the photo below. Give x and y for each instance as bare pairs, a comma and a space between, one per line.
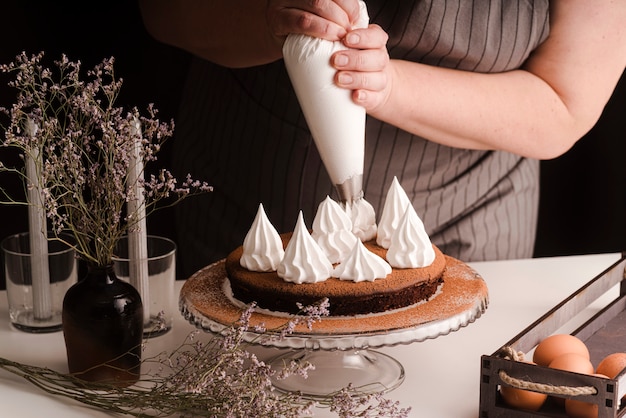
365, 68
247, 33
326, 19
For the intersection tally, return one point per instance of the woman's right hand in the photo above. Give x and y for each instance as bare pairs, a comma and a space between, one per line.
326, 19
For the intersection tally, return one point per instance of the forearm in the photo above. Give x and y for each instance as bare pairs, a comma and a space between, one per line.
514, 111
538, 111
229, 33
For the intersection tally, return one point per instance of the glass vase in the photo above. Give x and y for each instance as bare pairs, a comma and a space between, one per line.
103, 328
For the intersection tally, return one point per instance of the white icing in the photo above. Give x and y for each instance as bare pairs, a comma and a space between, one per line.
304, 260
393, 210
362, 265
363, 217
262, 247
332, 230
337, 124
410, 245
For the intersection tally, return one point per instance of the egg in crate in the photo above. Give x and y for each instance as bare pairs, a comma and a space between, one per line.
572, 362
522, 399
556, 345
612, 365
579, 409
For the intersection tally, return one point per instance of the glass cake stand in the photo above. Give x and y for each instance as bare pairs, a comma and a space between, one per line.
342, 349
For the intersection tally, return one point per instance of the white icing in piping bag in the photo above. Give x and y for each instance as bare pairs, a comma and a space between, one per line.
336, 122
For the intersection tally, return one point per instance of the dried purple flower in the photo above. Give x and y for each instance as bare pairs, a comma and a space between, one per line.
85, 142
350, 403
208, 377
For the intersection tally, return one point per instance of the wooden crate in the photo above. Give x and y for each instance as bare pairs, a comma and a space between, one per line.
604, 333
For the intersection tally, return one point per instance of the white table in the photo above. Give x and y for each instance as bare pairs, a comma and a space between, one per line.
442, 375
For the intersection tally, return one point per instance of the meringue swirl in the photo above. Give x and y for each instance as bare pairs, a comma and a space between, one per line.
410, 245
332, 230
363, 217
262, 246
362, 265
393, 210
304, 260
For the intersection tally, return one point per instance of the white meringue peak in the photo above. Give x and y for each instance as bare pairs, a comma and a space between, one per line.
393, 211
304, 260
362, 265
410, 245
363, 217
262, 246
332, 230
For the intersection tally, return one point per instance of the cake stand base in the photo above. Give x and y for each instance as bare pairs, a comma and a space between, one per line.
366, 371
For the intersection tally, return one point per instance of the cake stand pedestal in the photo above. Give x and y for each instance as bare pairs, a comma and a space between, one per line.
342, 348
367, 371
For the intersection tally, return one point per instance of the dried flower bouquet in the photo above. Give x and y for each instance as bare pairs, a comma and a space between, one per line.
82, 143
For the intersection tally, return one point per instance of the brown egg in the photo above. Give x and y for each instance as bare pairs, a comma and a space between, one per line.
557, 345
612, 365
522, 399
572, 362
579, 409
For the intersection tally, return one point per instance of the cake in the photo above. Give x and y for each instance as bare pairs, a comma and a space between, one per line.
370, 270
403, 287
423, 295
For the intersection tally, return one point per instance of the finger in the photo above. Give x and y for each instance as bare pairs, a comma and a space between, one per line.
370, 100
364, 98
351, 8
300, 22
371, 81
323, 19
372, 37
360, 60
342, 12
345, 13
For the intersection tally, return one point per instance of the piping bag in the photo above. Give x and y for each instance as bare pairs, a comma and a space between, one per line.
337, 124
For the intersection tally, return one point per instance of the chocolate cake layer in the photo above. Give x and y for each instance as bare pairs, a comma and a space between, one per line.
403, 287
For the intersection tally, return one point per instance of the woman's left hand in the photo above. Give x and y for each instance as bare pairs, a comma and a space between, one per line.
364, 68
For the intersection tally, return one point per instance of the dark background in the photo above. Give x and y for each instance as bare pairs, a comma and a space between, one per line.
583, 193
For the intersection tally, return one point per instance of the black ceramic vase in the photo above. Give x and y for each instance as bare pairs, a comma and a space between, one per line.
103, 328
